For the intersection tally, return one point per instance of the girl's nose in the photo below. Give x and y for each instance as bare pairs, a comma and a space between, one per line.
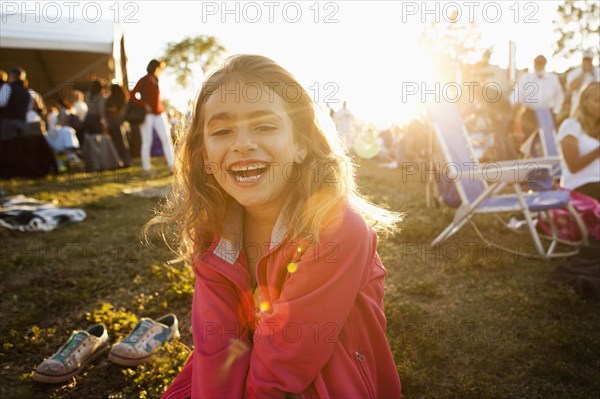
244, 141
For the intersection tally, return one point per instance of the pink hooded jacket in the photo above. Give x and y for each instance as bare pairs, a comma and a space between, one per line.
321, 332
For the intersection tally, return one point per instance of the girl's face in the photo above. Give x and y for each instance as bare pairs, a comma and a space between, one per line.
249, 146
592, 102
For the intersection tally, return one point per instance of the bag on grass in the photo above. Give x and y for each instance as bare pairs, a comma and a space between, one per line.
589, 210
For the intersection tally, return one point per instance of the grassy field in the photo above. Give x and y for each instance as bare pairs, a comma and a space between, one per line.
464, 321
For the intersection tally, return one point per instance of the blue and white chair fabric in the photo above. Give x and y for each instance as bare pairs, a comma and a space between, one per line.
478, 186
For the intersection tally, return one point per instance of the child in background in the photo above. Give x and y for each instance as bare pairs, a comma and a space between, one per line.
288, 299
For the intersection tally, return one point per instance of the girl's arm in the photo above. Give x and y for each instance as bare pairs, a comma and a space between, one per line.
298, 338
219, 362
222, 348
575, 161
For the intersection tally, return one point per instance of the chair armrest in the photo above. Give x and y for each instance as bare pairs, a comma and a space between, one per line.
516, 172
547, 161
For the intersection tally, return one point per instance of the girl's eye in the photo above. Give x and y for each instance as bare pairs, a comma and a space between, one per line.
265, 128
220, 132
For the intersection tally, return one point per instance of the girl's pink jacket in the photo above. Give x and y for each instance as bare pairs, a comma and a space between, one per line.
321, 333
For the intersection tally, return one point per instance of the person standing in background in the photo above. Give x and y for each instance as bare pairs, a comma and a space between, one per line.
99, 152
35, 114
581, 76
79, 105
539, 89
115, 104
94, 122
344, 122
14, 104
149, 97
24, 151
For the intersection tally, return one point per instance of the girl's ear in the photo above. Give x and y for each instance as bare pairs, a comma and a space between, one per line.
209, 167
300, 154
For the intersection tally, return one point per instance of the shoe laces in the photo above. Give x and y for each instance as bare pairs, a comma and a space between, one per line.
139, 331
77, 337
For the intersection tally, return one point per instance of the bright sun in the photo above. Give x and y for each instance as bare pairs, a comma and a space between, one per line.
416, 75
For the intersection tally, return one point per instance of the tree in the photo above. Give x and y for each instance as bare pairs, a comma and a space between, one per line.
182, 56
578, 26
456, 46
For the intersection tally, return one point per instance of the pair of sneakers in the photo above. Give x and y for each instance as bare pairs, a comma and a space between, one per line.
84, 346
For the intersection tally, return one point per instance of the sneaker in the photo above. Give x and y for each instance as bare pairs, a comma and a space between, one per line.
81, 348
139, 346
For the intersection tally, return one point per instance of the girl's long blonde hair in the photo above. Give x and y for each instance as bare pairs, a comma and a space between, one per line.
589, 123
197, 204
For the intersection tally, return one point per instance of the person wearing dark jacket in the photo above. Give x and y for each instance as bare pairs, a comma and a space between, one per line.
24, 151
114, 107
14, 103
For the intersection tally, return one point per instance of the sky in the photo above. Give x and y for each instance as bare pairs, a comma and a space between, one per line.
357, 51
362, 52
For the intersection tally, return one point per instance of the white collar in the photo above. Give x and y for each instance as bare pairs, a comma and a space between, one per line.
233, 226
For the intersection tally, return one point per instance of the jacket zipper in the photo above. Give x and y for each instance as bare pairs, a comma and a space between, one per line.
361, 359
296, 257
260, 293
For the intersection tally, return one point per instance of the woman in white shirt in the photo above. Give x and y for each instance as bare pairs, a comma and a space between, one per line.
579, 138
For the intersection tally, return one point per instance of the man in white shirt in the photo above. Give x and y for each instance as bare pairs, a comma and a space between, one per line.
344, 122
80, 106
581, 76
539, 89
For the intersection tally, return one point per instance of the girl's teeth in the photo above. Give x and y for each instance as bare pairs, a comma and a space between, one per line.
247, 167
249, 179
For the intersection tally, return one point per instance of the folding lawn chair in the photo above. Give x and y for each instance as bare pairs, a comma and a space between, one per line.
478, 186
546, 137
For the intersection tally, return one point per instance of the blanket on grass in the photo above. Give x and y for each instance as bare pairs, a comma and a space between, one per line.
29, 214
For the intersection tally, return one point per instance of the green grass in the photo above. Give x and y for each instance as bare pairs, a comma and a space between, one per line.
464, 321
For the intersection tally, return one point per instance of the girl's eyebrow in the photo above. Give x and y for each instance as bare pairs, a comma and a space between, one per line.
263, 114
227, 116
222, 116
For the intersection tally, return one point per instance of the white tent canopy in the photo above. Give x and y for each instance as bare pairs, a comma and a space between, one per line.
78, 35
62, 53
